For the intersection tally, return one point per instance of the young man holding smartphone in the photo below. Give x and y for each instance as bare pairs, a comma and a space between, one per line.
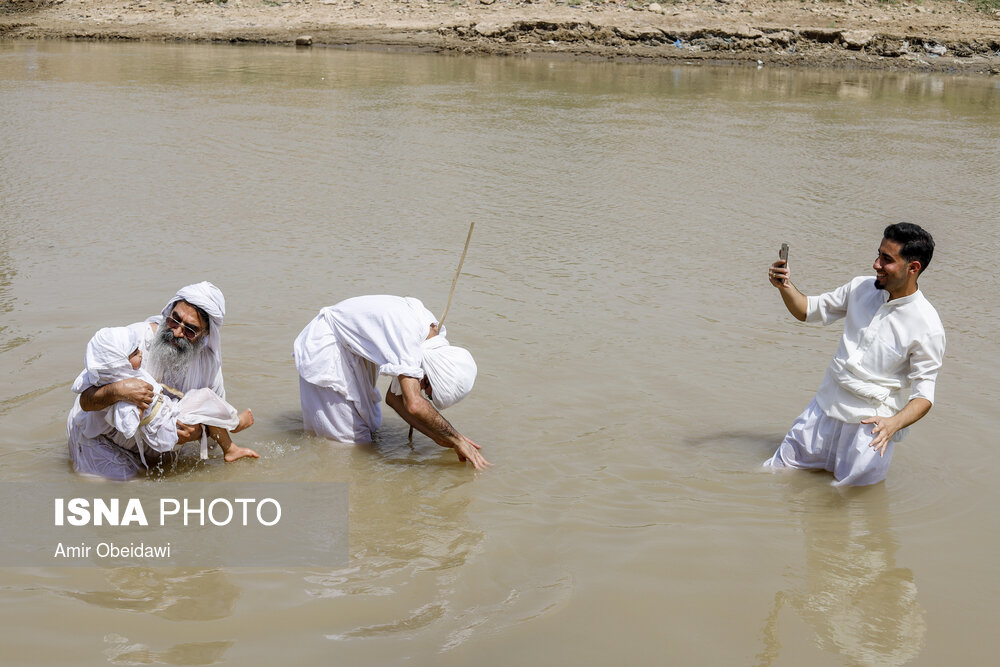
881, 380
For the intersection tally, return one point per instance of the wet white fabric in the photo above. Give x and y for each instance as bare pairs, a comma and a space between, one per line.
107, 361
345, 348
386, 330
107, 356
97, 448
204, 406
156, 428
326, 413
205, 370
889, 354
333, 349
102, 457
817, 441
198, 406
450, 369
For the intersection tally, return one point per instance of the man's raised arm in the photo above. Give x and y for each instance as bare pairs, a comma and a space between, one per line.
421, 414
132, 390
795, 301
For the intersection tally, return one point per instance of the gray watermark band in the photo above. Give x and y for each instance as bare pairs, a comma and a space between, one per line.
206, 524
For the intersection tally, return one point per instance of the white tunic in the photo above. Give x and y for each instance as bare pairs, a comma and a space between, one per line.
889, 354
347, 345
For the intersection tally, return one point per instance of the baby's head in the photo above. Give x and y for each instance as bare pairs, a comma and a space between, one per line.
114, 353
135, 359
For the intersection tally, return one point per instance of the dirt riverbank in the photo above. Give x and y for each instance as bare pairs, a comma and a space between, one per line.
947, 36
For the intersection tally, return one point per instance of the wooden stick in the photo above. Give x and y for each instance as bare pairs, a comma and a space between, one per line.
457, 274
452, 292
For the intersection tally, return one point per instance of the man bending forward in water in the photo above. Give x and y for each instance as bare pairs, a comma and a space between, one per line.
341, 353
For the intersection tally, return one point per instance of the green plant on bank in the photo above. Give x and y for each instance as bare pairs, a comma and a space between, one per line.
986, 5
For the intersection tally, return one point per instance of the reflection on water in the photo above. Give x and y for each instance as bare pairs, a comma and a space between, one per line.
226, 71
851, 593
123, 652
411, 526
175, 595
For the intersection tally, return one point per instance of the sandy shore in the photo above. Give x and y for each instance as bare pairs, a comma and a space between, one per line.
952, 36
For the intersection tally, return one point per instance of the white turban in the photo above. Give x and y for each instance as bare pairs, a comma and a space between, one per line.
450, 370
209, 298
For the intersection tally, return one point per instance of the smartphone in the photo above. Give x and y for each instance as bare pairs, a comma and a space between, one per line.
783, 254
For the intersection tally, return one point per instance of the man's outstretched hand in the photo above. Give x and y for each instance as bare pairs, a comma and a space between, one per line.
469, 451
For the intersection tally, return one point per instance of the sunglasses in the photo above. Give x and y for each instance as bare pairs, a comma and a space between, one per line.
190, 332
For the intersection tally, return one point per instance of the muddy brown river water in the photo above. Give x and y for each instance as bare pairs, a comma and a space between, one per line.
635, 365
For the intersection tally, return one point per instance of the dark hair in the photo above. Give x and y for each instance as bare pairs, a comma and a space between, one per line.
916, 243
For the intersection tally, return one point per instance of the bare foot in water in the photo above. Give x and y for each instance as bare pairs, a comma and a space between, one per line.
236, 452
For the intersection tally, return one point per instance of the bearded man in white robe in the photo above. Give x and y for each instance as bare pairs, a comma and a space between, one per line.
341, 353
182, 349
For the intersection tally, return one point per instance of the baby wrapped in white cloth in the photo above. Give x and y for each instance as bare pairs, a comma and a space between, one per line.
115, 353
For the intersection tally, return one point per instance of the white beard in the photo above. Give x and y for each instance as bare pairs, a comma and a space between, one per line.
169, 363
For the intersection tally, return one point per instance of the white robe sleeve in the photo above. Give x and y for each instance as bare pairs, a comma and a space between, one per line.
925, 361
832, 306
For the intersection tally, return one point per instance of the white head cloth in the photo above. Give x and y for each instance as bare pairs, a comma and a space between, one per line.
106, 360
206, 367
209, 298
450, 369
